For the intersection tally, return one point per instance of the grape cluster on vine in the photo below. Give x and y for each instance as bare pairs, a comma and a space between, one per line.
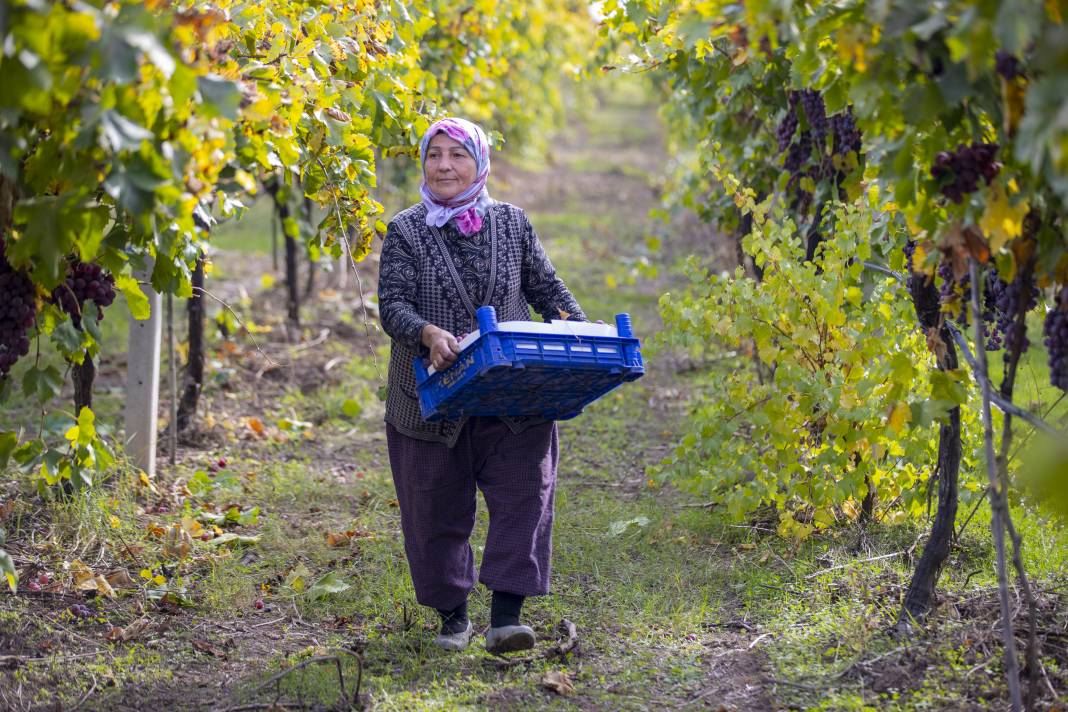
1002, 302
1056, 332
995, 322
18, 309
1006, 65
953, 293
807, 154
844, 132
910, 251
85, 282
815, 112
784, 133
955, 297
798, 154
1011, 299
958, 172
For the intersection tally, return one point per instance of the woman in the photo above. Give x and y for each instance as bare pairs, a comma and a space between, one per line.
456, 250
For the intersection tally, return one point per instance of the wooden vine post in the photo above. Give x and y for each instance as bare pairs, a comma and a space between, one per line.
194, 369
312, 264
281, 205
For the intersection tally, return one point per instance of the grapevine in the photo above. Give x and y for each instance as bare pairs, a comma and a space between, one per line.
954, 295
182, 113
788, 125
85, 282
1055, 329
958, 172
1009, 300
1007, 65
17, 312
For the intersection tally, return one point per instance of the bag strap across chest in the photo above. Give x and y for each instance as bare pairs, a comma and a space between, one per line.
469, 303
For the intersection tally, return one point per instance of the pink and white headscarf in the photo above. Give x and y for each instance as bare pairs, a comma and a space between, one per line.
469, 206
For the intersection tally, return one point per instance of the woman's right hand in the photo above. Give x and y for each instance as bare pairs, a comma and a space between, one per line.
444, 348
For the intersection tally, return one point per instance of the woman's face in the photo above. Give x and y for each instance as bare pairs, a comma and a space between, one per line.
450, 169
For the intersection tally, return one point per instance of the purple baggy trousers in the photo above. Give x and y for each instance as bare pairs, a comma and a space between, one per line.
436, 491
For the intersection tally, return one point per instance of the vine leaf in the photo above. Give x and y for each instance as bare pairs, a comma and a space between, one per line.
1002, 221
935, 343
8, 441
962, 242
329, 584
7, 566
558, 681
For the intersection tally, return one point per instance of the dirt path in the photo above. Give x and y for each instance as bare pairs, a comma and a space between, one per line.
303, 443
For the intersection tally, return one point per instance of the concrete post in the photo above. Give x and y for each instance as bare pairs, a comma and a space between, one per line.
142, 380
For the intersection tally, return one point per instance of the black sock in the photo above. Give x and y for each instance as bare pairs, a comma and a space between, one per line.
455, 620
505, 609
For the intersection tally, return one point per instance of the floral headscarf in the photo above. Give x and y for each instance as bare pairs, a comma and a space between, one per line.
469, 206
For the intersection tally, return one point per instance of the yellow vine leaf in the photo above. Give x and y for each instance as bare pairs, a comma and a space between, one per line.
1054, 11
1001, 221
900, 415
1013, 94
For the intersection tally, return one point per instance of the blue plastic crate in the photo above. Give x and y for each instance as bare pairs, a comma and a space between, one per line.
505, 372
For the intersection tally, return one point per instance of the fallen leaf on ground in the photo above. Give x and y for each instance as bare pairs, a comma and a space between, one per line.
338, 539
231, 538
206, 647
120, 578
195, 528
178, 543
103, 587
328, 584
83, 578
120, 635
559, 682
145, 481
256, 426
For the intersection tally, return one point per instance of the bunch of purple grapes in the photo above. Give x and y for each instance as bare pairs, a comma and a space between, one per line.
80, 610
815, 112
910, 250
811, 102
993, 320
798, 153
950, 292
842, 128
784, 133
958, 172
18, 309
955, 297
85, 282
1006, 64
844, 131
1011, 299
1056, 331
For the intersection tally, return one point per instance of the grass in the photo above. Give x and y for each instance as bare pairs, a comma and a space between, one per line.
252, 233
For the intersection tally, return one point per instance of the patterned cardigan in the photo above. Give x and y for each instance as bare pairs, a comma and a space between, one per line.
440, 276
